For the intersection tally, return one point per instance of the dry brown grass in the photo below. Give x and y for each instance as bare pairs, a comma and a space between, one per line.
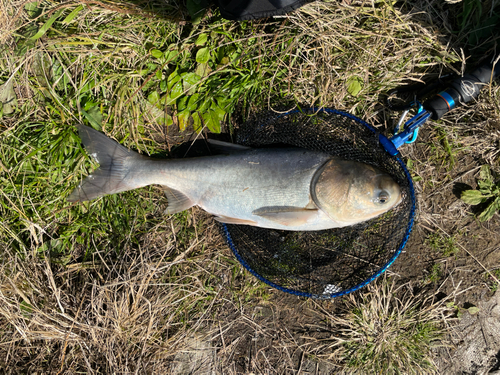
168, 296
382, 46
387, 329
127, 314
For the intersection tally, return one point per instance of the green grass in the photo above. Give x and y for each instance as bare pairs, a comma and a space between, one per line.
82, 283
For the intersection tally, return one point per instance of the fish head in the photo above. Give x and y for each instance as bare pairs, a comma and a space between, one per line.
350, 192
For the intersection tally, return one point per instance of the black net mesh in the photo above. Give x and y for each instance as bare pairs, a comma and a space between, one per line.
328, 263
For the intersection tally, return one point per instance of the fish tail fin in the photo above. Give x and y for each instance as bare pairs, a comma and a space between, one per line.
116, 162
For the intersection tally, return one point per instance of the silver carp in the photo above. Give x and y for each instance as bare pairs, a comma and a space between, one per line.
281, 188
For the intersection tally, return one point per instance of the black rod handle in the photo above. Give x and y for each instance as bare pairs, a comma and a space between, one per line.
461, 90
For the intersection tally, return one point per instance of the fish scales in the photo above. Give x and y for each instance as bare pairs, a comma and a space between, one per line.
249, 180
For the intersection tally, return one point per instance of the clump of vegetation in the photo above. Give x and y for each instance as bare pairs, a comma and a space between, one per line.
443, 244
389, 330
434, 273
492, 279
488, 194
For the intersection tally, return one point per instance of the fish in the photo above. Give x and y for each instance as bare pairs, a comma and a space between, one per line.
287, 188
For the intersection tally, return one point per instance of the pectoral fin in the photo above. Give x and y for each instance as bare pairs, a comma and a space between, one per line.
284, 215
176, 200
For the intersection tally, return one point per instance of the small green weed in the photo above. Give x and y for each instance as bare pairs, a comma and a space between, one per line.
490, 279
445, 149
459, 311
487, 194
442, 244
434, 274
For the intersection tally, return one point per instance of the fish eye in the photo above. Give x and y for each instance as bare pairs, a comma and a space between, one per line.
383, 197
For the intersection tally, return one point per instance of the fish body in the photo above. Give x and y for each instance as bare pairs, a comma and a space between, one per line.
281, 188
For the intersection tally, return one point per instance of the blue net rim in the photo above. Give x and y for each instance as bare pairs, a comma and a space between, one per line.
390, 150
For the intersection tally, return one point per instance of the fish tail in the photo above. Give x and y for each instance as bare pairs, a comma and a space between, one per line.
115, 173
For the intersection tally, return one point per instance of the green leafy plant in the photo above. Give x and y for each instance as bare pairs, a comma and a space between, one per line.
487, 194
459, 311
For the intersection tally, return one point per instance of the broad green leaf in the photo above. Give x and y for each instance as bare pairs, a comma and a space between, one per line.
196, 122
183, 120
205, 105
171, 53
193, 102
172, 79
72, 15
203, 70
211, 120
163, 85
220, 113
473, 310
94, 117
41, 32
485, 186
489, 211
225, 60
473, 197
175, 92
154, 98
156, 53
203, 55
354, 85
201, 40
485, 173
190, 80
182, 103
224, 103
32, 9
170, 120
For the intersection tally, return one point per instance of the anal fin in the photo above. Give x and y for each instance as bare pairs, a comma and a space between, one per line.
176, 201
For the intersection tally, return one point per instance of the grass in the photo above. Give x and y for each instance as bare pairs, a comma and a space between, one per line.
388, 329
113, 284
443, 244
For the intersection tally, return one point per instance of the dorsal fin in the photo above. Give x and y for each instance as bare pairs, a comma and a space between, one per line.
226, 146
